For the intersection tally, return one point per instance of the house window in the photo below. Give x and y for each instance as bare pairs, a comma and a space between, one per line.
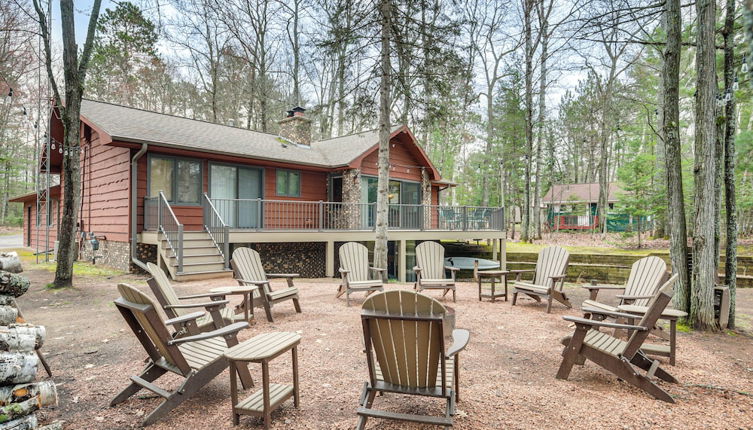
288, 183
178, 178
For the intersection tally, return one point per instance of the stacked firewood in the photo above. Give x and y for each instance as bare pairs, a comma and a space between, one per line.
20, 395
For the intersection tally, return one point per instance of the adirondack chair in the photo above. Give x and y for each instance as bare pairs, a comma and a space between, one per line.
405, 353
218, 314
548, 279
249, 271
197, 359
430, 269
622, 358
646, 276
354, 270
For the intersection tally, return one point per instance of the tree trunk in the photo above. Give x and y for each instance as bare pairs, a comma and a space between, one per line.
380, 246
704, 264
526, 227
673, 154
730, 272
13, 284
544, 32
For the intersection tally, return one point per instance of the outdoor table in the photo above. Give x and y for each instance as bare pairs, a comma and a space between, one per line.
492, 275
246, 291
593, 289
263, 349
671, 315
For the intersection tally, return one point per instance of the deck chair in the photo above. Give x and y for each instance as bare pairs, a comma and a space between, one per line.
217, 313
405, 353
622, 358
355, 271
548, 279
249, 271
646, 276
197, 359
430, 269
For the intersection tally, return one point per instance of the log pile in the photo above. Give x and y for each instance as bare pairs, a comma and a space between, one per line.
20, 394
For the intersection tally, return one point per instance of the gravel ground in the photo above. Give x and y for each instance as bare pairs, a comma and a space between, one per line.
507, 371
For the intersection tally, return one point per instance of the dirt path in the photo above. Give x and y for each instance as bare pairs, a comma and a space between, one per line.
507, 372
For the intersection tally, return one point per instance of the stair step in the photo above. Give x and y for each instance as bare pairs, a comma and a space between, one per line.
209, 274
200, 267
196, 259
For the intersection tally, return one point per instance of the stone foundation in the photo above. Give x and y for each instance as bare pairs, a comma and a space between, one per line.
308, 259
110, 253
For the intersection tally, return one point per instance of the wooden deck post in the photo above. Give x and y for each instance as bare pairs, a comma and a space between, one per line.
494, 249
503, 254
401, 261
330, 268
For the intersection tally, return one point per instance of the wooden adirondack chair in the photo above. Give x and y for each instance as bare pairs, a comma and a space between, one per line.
354, 270
622, 358
646, 276
430, 269
218, 314
405, 353
548, 279
249, 271
197, 359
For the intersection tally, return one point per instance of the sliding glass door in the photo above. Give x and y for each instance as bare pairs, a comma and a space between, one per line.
404, 199
234, 191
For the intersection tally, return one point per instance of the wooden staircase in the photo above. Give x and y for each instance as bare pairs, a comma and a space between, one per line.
201, 258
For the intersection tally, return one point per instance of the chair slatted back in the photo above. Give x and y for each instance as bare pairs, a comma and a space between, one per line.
247, 265
430, 258
163, 290
354, 257
404, 330
552, 261
141, 314
645, 278
655, 308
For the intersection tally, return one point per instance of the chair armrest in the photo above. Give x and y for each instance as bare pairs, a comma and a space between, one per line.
202, 295
598, 311
631, 297
343, 271
460, 339
416, 269
452, 268
593, 323
602, 287
248, 281
522, 271
185, 318
378, 269
557, 277
212, 304
283, 275
224, 331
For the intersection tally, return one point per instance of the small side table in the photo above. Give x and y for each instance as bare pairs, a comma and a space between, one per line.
262, 349
246, 291
671, 315
492, 275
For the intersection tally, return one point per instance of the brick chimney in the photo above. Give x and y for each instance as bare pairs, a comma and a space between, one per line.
296, 127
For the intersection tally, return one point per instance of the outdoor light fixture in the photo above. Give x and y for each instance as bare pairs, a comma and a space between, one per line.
728, 96
744, 67
736, 84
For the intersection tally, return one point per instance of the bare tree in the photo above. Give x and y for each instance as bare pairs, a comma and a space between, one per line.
74, 72
730, 128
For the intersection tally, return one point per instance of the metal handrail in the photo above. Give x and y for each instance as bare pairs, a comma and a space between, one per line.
171, 229
217, 229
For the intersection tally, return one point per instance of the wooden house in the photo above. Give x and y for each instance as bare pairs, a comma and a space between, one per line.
184, 193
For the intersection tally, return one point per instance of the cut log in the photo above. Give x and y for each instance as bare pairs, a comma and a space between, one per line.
13, 284
8, 315
29, 422
45, 392
6, 300
15, 411
18, 367
21, 337
10, 262
57, 425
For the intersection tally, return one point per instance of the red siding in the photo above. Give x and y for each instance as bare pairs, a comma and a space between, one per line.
404, 165
53, 228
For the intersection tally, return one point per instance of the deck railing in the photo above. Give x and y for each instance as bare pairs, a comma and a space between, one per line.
171, 229
261, 214
217, 228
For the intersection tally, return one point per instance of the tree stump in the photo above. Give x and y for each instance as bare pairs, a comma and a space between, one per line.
18, 367
12, 284
10, 262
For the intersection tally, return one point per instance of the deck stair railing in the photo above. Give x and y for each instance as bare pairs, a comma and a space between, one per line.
171, 229
218, 230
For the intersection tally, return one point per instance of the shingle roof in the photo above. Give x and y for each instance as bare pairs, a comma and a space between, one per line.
136, 125
579, 193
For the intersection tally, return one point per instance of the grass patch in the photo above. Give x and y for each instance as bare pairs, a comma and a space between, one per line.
684, 327
536, 247
81, 268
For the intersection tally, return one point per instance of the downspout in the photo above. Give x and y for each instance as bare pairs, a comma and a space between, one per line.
134, 205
